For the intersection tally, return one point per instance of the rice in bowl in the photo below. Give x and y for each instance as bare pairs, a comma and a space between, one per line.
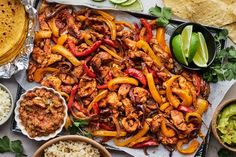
5, 104
71, 149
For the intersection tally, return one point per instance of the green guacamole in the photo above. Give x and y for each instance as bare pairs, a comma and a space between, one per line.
227, 124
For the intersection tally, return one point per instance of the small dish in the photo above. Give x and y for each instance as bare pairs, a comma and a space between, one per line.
210, 41
40, 151
20, 123
10, 108
214, 124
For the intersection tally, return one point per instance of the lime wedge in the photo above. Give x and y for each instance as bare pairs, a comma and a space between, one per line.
201, 56
129, 2
194, 44
118, 1
186, 38
177, 49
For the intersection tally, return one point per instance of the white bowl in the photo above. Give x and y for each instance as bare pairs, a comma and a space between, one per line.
12, 104
21, 126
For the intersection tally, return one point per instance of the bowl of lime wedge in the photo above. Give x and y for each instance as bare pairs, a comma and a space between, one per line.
193, 46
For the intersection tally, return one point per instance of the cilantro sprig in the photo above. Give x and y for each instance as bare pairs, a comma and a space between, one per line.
164, 15
11, 146
224, 65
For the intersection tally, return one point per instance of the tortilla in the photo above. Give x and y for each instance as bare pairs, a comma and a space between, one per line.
217, 13
12, 24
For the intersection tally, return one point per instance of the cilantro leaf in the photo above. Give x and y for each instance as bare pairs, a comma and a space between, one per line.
11, 146
164, 15
156, 11
221, 35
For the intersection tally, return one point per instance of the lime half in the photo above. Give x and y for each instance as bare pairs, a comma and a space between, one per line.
177, 45
186, 38
118, 1
201, 56
129, 2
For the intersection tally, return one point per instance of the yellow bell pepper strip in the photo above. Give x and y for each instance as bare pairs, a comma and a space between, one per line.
191, 149
62, 39
164, 106
171, 98
152, 88
42, 35
97, 98
165, 131
54, 28
126, 24
121, 80
68, 123
39, 73
64, 95
142, 139
140, 134
201, 105
114, 54
193, 114
108, 133
145, 46
66, 53
111, 25
185, 95
105, 15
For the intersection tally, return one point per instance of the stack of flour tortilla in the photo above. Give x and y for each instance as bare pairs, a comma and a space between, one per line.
13, 29
219, 13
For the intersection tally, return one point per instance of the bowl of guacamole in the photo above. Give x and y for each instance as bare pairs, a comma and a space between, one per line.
224, 124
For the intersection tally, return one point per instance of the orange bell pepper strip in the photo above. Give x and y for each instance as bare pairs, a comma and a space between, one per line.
39, 73
185, 95
140, 134
42, 35
68, 123
108, 133
142, 33
171, 98
145, 46
165, 131
193, 114
152, 88
201, 106
160, 36
66, 53
192, 146
81, 18
164, 106
121, 80
142, 139
126, 24
105, 15
54, 28
62, 39
97, 98
111, 25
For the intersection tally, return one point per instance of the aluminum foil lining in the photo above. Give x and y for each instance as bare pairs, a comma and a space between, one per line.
21, 61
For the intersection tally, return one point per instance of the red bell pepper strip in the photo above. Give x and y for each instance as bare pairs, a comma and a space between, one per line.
86, 52
185, 109
105, 127
72, 97
96, 108
148, 29
197, 81
110, 42
88, 71
104, 86
106, 139
146, 144
137, 74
